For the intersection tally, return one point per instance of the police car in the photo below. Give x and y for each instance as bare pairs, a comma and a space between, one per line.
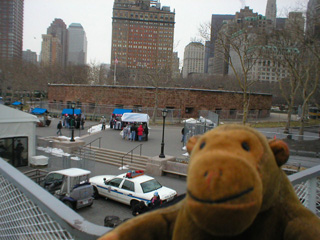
130, 188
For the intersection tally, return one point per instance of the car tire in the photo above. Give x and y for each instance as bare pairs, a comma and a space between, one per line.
70, 204
95, 193
133, 203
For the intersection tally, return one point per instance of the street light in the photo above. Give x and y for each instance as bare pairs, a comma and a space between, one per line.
72, 122
164, 114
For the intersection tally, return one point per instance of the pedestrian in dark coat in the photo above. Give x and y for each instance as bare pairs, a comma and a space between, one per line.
59, 127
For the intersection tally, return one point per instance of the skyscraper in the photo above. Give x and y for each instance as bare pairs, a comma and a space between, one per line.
193, 60
313, 18
29, 56
58, 29
11, 29
142, 35
271, 11
51, 50
77, 45
217, 21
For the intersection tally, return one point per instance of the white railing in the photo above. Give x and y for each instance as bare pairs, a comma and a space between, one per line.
307, 186
27, 211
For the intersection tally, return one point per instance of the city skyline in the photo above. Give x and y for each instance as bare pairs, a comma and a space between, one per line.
96, 19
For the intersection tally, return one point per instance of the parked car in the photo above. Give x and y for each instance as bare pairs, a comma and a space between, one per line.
71, 186
130, 188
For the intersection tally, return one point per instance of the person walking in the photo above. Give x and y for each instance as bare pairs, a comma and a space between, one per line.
82, 122
103, 122
59, 127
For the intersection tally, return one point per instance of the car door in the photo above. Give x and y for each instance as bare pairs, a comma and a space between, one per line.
112, 190
127, 191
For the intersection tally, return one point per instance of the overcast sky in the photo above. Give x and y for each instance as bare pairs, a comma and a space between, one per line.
96, 18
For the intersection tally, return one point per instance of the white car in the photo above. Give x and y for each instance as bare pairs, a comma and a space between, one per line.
130, 188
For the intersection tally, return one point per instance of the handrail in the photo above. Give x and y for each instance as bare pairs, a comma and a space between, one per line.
80, 148
99, 138
131, 151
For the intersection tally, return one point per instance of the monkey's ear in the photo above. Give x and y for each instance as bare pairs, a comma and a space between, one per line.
280, 150
191, 143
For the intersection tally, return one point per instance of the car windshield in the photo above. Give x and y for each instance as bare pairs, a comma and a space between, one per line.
150, 186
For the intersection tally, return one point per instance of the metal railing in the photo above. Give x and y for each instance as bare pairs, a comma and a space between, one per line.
307, 186
27, 211
90, 143
131, 151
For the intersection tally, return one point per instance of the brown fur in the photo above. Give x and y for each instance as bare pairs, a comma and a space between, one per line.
235, 190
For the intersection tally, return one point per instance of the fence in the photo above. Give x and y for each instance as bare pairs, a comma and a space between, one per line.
29, 212
94, 112
207, 121
307, 186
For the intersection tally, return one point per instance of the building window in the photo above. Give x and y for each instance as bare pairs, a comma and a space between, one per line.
137, 108
119, 105
233, 112
189, 110
218, 111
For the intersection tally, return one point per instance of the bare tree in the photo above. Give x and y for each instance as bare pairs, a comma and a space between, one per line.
155, 77
240, 46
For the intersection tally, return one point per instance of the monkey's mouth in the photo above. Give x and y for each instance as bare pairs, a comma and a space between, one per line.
221, 200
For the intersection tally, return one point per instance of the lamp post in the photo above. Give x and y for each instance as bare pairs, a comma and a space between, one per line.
72, 122
164, 114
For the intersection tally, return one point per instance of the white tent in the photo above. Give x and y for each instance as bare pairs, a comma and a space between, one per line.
135, 117
16, 124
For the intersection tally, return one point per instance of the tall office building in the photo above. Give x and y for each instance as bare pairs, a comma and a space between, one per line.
11, 29
142, 35
29, 56
58, 29
51, 50
217, 21
271, 11
193, 60
313, 18
77, 45
175, 65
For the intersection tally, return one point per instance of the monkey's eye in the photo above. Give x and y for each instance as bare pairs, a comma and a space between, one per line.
202, 145
245, 146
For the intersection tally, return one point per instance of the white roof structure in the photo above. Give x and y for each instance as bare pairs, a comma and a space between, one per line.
72, 172
11, 115
135, 117
16, 123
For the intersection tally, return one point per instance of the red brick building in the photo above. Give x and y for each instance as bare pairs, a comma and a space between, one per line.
189, 101
142, 35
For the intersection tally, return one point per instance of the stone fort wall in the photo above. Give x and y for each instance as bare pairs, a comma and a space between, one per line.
189, 101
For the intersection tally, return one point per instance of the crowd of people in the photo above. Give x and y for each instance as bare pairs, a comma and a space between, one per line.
135, 132
67, 121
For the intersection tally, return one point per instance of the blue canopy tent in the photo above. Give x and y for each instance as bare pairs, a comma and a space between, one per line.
16, 103
120, 111
39, 111
69, 111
